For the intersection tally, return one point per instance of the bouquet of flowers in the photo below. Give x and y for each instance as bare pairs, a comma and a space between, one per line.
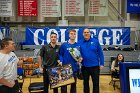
75, 53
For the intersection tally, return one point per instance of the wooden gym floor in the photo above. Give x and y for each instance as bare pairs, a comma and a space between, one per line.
104, 85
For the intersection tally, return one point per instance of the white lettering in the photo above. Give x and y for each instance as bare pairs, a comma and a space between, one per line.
93, 32
106, 36
100, 36
116, 36
107, 40
62, 35
36, 36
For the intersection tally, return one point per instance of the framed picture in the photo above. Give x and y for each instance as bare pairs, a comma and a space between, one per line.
60, 76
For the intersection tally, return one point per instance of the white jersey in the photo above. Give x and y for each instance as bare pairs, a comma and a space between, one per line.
8, 66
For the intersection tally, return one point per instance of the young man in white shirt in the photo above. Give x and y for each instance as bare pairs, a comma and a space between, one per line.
8, 67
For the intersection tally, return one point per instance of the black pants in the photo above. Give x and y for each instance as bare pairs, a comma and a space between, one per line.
73, 86
47, 81
6, 89
94, 73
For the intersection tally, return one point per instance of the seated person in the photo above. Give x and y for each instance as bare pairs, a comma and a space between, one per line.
115, 65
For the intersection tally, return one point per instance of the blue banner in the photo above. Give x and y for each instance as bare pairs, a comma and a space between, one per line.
106, 35
133, 6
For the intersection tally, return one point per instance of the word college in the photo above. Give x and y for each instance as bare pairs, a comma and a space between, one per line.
106, 35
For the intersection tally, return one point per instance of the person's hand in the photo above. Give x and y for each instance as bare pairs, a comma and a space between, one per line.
80, 60
59, 63
101, 67
112, 69
117, 68
41, 69
11, 84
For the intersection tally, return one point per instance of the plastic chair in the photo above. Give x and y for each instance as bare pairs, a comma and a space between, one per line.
114, 75
114, 78
36, 86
